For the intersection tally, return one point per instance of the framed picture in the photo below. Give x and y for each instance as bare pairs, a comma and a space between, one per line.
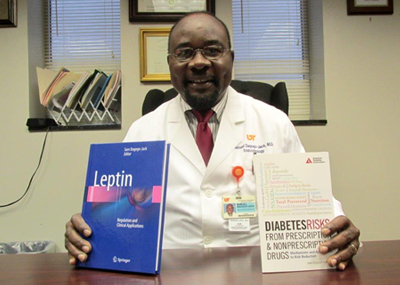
166, 10
369, 7
8, 13
153, 54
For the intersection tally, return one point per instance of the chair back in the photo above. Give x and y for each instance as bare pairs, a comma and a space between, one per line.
276, 96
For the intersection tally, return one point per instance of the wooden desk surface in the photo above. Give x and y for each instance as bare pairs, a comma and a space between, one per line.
376, 263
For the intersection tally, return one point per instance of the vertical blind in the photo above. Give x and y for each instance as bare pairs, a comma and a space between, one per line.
270, 39
83, 35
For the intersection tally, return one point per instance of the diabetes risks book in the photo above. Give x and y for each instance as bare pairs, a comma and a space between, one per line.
124, 204
294, 200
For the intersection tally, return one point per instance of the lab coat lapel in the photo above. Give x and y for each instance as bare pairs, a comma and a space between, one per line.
180, 136
230, 131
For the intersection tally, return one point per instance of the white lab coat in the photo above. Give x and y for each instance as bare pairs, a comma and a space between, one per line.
194, 193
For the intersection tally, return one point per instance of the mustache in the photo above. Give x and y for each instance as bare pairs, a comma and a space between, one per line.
199, 79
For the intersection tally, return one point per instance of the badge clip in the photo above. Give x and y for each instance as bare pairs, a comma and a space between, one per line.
237, 172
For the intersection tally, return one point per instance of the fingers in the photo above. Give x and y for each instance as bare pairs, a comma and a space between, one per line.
344, 239
342, 266
77, 247
342, 257
79, 223
336, 225
343, 232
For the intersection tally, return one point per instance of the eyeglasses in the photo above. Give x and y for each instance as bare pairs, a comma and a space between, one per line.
210, 53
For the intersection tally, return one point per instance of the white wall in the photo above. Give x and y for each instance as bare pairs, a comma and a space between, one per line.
362, 134
362, 72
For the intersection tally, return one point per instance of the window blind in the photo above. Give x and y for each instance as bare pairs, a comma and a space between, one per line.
270, 39
83, 35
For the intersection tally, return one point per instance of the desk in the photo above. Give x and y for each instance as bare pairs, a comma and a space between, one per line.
375, 263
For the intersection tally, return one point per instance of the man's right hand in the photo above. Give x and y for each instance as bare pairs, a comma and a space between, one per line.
77, 247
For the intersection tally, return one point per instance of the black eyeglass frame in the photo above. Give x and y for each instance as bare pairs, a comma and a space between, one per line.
225, 51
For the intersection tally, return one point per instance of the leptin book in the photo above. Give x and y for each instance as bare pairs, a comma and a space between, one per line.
294, 200
124, 203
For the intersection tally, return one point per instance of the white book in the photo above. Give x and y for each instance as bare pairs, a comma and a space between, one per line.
112, 89
73, 95
294, 201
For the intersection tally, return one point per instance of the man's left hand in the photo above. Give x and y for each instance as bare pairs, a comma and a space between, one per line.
345, 241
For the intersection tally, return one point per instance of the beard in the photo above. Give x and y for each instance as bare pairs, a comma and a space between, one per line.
202, 101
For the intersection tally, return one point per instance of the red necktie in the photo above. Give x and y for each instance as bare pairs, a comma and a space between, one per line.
204, 138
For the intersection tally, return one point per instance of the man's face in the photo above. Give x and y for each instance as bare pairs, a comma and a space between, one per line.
201, 82
229, 209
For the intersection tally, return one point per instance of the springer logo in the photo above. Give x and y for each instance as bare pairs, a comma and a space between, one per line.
121, 260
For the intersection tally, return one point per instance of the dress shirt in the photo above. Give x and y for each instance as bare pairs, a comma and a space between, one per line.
214, 121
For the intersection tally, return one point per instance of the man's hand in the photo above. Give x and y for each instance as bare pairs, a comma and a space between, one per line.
345, 241
77, 247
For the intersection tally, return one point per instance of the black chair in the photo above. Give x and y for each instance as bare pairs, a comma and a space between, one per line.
274, 95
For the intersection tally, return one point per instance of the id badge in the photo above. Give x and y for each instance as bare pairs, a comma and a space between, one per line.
238, 207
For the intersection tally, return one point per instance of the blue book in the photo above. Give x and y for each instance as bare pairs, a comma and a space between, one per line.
96, 99
94, 88
124, 204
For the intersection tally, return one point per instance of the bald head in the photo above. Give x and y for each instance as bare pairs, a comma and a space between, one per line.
200, 13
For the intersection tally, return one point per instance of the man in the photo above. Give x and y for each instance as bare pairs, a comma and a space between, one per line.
200, 61
229, 209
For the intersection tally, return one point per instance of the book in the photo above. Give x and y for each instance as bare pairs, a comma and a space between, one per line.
294, 202
73, 96
94, 88
124, 204
59, 99
80, 92
112, 89
96, 98
52, 82
66, 78
55, 84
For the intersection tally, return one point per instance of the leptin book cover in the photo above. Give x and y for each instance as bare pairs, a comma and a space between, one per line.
124, 203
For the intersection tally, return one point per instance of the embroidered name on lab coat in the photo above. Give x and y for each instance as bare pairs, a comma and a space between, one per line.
254, 148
